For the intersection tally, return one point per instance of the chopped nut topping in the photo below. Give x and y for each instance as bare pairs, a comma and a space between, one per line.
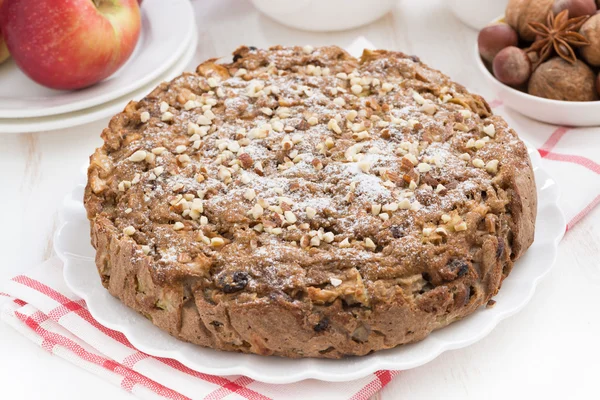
246, 160
387, 87
180, 149
290, 217
287, 143
356, 89
217, 242
310, 212
184, 158
390, 207
375, 209
428, 108
478, 162
339, 101
369, 244
423, 167
212, 82
203, 120
145, 116
465, 113
256, 211
404, 204
351, 115
459, 126
277, 126
167, 116
365, 166
177, 226
224, 174
418, 98
333, 125
123, 185
129, 231
315, 241
328, 237
249, 194
492, 166
164, 106
317, 164
411, 158
461, 226
489, 130
335, 282
441, 231
345, 243
266, 111
138, 156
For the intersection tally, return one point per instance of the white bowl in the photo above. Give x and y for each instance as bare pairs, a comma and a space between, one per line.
557, 112
477, 13
324, 15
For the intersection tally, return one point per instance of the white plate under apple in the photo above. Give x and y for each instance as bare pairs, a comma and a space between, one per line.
165, 36
104, 110
72, 245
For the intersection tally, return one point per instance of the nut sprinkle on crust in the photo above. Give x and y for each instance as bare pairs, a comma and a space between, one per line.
300, 202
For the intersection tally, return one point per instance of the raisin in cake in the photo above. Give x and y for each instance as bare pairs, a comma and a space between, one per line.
304, 203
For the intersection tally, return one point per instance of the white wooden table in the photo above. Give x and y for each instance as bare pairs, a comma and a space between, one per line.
549, 350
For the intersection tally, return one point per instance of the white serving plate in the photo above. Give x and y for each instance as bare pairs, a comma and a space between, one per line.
80, 117
72, 245
557, 112
165, 36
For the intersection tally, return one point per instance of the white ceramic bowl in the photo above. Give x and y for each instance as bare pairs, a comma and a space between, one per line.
477, 13
557, 112
324, 15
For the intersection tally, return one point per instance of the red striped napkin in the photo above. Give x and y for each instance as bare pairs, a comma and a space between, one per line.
41, 307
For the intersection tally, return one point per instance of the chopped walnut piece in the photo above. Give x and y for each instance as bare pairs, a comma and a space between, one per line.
492, 166
138, 156
129, 231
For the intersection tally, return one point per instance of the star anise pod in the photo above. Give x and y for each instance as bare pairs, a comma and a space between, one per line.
560, 35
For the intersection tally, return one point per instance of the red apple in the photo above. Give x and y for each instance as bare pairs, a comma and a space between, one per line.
70, 44
3, 49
